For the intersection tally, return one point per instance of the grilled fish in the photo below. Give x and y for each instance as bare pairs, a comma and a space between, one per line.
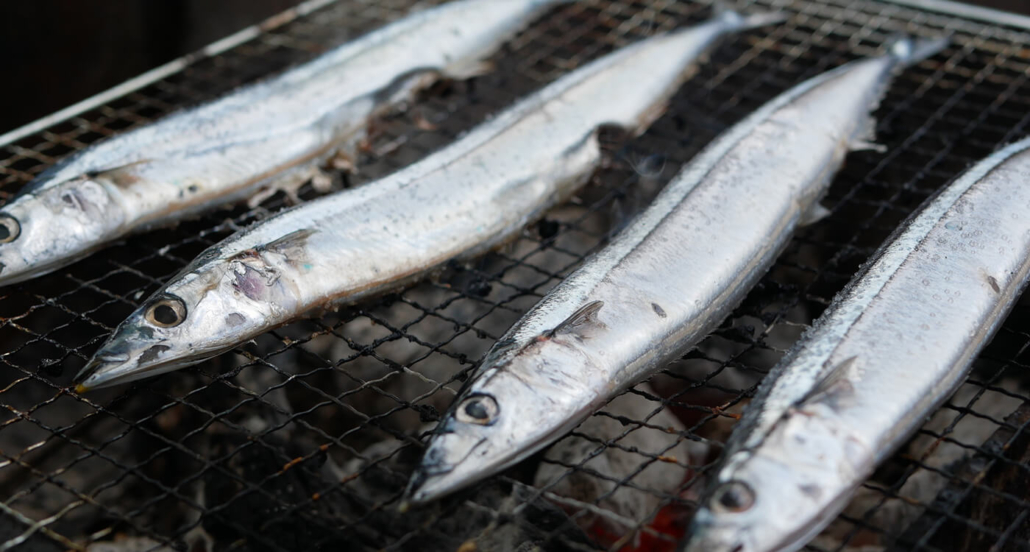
892, 346
463, 200
664, 282
274, 134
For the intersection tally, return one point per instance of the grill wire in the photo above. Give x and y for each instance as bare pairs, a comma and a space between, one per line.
305, 437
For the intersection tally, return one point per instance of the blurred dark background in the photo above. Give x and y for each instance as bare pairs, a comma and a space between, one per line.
57, 52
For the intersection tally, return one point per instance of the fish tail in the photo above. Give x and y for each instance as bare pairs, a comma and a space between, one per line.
909, 50
738, 21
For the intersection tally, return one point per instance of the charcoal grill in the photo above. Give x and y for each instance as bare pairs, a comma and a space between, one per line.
305, 437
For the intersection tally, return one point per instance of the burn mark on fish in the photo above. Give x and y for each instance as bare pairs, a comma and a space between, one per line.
152, 353
994, 284
811, 491
658, 310
252, 282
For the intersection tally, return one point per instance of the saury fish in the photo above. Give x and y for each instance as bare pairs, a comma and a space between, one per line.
273, 134
664, 282
463, 200
893, 345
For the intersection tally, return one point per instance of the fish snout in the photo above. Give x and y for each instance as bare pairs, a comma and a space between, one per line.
101, 370
119, 361
425, 483
702, 538
446, 467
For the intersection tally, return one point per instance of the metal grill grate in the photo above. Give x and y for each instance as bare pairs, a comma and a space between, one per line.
304, 438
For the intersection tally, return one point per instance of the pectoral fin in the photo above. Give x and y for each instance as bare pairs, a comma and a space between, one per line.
468, 69
866, 145
576, 319
814, 214
122, 176
836, 386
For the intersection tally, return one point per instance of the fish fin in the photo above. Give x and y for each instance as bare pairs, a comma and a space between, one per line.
260, 196
866, 131
120, 175
289, 183
737, 21
577, 318
468, 69
866, 145
648, 117
344, 159
321, 182
287, 242
814, 214
116, 168
909, 51
865, 137
836, 385
398, 95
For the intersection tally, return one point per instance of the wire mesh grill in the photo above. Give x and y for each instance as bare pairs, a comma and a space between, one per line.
305, 437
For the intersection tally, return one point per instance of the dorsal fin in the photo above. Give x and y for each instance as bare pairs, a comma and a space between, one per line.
814, 214
836, 385
577, 318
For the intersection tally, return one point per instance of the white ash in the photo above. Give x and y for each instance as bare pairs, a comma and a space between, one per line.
663, 462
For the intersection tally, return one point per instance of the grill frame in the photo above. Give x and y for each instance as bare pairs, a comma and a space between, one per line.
214, 374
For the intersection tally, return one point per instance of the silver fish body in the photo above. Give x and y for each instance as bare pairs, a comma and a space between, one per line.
893, 345
662, 284
461, 201
271, 134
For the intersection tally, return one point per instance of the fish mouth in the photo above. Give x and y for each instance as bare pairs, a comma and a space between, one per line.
141, 361
100, 371
705, 537
435, 477
421, 488
429, 482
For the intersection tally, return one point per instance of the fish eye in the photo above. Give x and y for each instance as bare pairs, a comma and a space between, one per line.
9, 229
734, 496
478, 409
166, 312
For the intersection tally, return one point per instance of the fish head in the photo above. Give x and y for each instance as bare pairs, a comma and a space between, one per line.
508, 413
50, 226
779, 495
740, 515
213, 305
